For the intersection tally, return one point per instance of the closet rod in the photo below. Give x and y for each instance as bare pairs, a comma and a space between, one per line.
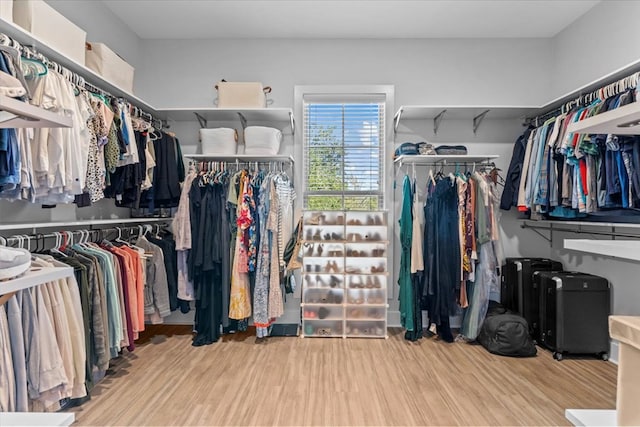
580, 231
100, 233
581, 98
78, 80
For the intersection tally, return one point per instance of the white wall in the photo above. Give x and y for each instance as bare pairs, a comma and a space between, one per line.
601, 41
182, 73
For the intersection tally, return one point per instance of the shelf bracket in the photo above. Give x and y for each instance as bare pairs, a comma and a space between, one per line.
478, 119
201, 120
437, 120
396, 120
243, 120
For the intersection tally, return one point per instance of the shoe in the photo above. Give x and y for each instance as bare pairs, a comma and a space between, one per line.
370, 220
323, 313
310, 250
369, 282
11, 87
336, 236
320, 249
317, 235
376, 282
327, 236
13, 262
340, 220
334, 282
319, 281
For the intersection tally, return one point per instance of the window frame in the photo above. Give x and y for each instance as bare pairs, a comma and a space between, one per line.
345, 94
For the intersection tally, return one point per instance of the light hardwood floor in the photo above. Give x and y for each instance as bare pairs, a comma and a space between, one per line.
314, 381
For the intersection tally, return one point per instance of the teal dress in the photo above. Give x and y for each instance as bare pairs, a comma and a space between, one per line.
404, 278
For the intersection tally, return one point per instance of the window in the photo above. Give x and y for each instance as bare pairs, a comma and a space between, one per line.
343, 149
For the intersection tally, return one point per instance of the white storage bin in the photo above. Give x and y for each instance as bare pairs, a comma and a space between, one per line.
6, 10
262, 141
109, 65
51, 27
219, 141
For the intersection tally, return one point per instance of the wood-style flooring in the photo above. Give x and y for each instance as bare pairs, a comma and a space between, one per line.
334, 381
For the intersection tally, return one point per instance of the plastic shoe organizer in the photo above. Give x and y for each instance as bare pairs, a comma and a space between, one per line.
344, 274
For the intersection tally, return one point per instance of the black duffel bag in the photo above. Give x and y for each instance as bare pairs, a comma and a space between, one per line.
506, 333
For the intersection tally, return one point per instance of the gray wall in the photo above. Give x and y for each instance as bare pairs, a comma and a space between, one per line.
103, 26
603, 40
454, 72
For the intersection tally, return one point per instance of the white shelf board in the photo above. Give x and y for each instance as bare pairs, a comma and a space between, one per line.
37, 276
582, 223
624, 249
591, 417
241, 158
25, 38
441, 159
417, 112
30, 116
182, 114
623, 120
37, 418
80, 223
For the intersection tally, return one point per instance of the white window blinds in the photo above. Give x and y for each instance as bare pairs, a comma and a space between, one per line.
344, 140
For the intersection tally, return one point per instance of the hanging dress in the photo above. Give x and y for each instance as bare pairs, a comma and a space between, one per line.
404, 279
240, 303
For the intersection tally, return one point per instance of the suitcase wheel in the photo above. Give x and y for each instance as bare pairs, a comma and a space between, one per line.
605, 356
557, 356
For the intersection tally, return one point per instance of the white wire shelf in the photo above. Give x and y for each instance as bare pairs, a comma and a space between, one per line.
287, 158
80, 223
422, 159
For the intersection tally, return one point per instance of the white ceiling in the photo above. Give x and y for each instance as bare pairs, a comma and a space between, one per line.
188, 19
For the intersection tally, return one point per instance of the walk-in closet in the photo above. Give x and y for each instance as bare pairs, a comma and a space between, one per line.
319, 213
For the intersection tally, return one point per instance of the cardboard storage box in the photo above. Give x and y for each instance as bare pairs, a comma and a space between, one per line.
109, 65
242, 95
51, 27
6, 10
626, 329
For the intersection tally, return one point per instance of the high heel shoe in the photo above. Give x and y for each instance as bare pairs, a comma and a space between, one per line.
309, 251
319, 281
320, 249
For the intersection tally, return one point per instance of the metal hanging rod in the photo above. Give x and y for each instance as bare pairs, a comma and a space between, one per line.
585, 98
32, 53
96, 234
578, 230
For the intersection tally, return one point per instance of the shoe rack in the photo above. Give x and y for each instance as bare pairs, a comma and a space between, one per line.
344, 274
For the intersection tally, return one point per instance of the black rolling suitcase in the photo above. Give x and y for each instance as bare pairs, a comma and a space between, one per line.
518, 291
574, 312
